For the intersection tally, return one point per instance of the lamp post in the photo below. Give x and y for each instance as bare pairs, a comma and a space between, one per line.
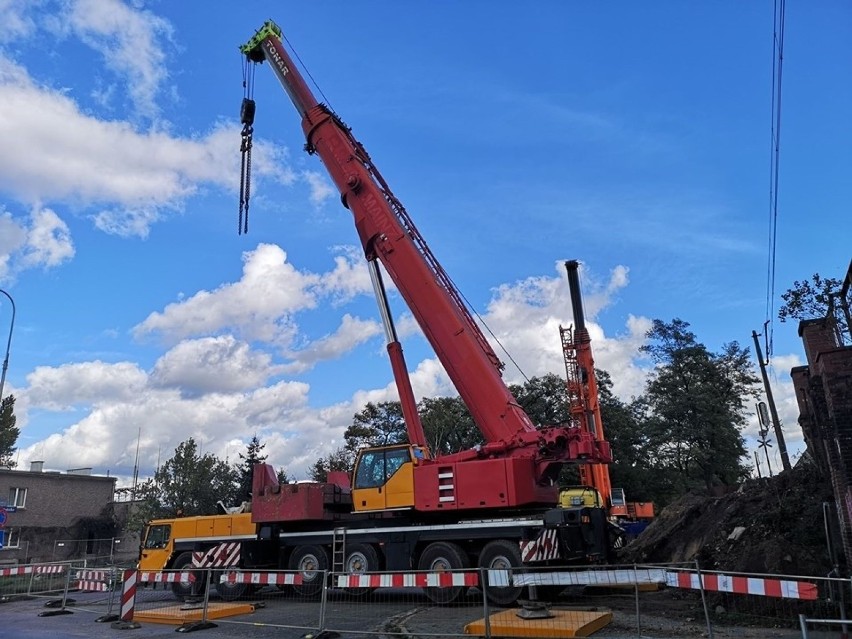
8, 345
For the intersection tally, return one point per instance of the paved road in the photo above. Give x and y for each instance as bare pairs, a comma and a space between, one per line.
278, 615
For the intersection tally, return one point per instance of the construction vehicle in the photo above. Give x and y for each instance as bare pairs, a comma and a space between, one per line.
595, 488
406, 508
213, 541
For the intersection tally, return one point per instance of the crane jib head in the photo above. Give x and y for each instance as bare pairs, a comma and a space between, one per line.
252, 48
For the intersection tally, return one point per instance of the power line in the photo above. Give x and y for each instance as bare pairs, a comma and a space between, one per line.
778, 24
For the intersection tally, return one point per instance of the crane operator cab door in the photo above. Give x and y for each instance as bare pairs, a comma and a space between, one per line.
384, 478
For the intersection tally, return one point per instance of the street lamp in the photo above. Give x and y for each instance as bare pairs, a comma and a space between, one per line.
8, 345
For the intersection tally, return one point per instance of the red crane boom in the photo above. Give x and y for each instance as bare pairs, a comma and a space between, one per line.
388, 235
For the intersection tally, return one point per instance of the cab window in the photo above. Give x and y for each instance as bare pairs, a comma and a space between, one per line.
158, 536
378, 466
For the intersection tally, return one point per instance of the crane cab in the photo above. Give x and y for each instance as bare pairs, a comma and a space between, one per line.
383, 478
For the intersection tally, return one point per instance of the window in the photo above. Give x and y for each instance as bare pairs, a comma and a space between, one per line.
376, 467
18, 497
12, 537
158, 536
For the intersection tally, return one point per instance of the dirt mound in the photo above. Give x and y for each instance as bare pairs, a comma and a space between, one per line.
772, 525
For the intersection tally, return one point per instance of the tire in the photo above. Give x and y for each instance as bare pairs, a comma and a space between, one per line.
183, 589
229, 592
444, 557
501, 554
361, 559
311, 562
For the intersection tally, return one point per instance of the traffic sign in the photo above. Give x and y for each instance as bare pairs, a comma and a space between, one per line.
2, 517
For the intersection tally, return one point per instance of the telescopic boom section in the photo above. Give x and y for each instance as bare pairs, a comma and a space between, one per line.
388, 235
582, 384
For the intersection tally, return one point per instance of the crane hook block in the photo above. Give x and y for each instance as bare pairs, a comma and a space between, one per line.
247, 112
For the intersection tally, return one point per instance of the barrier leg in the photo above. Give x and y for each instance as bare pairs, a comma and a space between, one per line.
128, 601
204, 624
59, 604
109, 616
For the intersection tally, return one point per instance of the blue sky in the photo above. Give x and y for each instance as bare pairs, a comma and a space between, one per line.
634, 138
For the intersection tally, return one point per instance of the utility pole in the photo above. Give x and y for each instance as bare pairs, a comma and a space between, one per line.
8, 345
776, 423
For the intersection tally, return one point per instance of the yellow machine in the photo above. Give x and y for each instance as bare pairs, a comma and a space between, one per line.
212, 541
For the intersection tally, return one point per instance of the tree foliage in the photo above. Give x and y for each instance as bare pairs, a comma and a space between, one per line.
9, 432
544, 399
191, 483
632, 466
448, 425
245, 469
694, 408
811, 299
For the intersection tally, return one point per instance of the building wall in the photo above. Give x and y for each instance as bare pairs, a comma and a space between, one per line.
824, 393
58, 506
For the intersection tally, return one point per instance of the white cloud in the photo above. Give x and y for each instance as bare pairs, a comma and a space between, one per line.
15, 19
259, 306
54, 151
62, 387
48, 240
132, 43
351, 332
42, 241
321, 189
212, 365
350, 276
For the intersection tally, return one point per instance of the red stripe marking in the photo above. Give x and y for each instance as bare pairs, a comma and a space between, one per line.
807, 590
740, 585
772, 587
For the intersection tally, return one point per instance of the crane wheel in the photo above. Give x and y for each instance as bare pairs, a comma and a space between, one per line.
361, 559
444, 556
229, 592
311, 562
183, 589
503, 555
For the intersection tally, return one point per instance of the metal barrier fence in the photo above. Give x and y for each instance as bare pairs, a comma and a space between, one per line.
34, 579
609, 601
54, 582
767, 601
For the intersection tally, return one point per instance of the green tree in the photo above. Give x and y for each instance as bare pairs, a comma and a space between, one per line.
341, 459
191, 483
544, 399
448, 425
379, 424
9, 432
245, 469
811, 299
144, 505
632, 467
695, 407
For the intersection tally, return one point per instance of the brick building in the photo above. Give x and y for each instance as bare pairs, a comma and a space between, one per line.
56, 515
824, 397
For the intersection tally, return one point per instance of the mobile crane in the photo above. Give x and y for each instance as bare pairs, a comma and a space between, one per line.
406, 508
595, 487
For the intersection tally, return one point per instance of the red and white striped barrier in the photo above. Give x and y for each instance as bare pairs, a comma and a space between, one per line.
165, 577
409, 580
29, 570
625, 576
93, 580
767, 587
262, 578
128, 594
